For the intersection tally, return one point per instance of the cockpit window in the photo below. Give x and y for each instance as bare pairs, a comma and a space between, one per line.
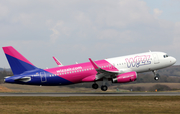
165, 56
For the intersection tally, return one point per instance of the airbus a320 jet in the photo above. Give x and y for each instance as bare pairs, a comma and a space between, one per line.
121, 69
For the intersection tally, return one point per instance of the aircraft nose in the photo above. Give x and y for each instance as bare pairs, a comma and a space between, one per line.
173, 60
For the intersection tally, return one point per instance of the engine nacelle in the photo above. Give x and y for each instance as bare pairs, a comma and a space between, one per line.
125, 77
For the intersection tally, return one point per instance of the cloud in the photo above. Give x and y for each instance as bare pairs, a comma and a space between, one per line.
59, 30
3, 11
176, 39
78, 29
157, 12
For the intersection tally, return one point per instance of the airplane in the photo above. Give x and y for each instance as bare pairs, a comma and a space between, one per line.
121, 69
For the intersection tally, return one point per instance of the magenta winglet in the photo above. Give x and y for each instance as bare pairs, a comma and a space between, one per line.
57, 62
94, 64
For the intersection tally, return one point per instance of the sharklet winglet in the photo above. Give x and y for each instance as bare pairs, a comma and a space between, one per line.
94, 64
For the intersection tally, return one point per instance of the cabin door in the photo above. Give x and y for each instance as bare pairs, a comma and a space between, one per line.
156, 59
43, 77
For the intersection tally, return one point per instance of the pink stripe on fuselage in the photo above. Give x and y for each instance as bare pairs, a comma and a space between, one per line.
75, 73
9, 50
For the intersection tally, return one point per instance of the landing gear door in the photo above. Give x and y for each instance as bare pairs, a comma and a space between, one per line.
156, 59
43, 77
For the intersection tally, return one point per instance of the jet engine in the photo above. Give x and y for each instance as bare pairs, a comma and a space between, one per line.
125, 77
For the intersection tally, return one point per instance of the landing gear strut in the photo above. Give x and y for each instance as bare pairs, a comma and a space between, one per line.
95, 86
156, 75
104, 87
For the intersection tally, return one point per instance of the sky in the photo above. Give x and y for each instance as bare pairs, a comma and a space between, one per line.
75, 30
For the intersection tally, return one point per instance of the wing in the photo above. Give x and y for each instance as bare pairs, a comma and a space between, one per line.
101, 73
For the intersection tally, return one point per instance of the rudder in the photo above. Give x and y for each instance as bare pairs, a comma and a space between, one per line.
17, 62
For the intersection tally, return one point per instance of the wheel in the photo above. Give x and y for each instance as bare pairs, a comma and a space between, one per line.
95, 86
104, 88
156, 78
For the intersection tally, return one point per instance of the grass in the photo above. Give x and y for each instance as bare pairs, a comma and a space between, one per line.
91, 105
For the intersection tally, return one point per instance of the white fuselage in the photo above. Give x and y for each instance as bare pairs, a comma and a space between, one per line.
142, 62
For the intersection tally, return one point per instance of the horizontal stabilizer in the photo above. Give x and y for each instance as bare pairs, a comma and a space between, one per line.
24, 79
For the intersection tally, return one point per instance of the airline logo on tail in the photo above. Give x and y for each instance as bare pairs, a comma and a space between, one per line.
18, 63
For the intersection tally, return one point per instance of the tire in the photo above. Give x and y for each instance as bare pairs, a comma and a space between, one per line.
95, 86
104, 88
156, 78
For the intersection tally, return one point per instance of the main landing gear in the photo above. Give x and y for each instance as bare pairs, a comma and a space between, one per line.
156, 75
103, 87
95, 86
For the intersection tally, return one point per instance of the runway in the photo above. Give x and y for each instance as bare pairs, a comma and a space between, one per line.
94, 94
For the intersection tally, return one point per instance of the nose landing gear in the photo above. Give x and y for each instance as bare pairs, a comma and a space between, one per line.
156, 78
156, 75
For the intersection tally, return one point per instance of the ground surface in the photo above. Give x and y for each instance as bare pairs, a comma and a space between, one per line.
56, 89
10, 94
91, 105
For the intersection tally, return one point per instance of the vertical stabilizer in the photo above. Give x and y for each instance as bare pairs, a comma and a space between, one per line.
17, 62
